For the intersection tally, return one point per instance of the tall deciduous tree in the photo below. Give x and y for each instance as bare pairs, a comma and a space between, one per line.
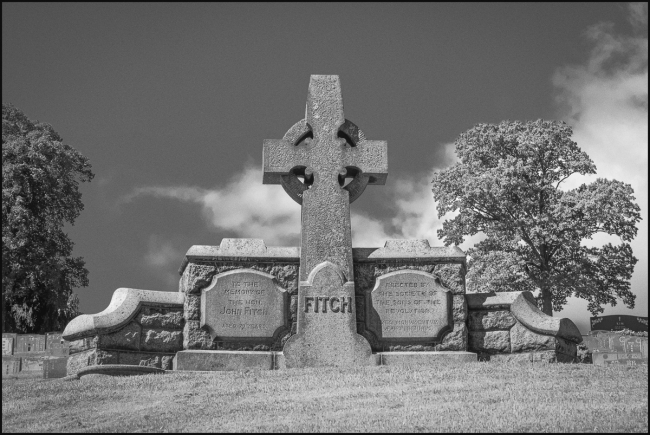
507, 185
40, 192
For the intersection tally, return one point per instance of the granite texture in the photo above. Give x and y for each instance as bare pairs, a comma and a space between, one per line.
324, 151
508, 326
124, 306
192, 307
240, 249
424, 359
196, 338
409, 306
489, 341
524, 340
548, 356
127, 338
119, 370
205, 360
494, 300
456, 340
326, 336
523, 307
156, 340
245, 305
196, 277
491, 320
151, 317
526, 311
413, 250
284, 274
368, 272
459, 308
94, 357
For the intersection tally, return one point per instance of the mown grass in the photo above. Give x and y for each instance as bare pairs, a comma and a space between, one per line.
477, 397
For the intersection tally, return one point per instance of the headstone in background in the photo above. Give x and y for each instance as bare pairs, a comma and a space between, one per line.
55, 345
10, 365
7, 346
619, 322
32, 364
55, 368
30, 343
609, 347
10, 344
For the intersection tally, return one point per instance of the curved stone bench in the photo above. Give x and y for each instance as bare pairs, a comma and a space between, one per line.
508, 325
124, 306
139, 327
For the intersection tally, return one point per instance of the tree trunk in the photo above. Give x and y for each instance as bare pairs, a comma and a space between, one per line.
547, 301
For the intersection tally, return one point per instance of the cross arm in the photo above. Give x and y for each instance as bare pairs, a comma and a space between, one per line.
279, 157
371, 157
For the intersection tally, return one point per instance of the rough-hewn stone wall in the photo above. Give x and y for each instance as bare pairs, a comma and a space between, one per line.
507, 326
451, 276
151, 338
199, 275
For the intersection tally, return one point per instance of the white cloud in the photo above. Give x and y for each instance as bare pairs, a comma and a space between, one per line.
163, 257
247, 208
244, 206
605, 100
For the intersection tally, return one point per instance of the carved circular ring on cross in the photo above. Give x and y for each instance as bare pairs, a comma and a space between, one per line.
301, 132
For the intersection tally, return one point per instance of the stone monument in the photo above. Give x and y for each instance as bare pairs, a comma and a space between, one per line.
245, 305
334, 151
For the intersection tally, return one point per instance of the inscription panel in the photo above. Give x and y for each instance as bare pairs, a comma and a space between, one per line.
409, 306
244, 305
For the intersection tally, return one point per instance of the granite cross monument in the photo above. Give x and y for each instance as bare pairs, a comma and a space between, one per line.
325, 148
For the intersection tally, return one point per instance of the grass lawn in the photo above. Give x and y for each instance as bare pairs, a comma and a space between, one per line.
475, 397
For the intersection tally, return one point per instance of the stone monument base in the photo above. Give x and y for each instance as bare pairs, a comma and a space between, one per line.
227, 360
423, 359
224, 360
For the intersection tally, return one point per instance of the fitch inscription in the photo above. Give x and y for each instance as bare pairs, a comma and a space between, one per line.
244, 304
409, 305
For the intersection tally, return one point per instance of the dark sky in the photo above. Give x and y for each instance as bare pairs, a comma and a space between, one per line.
171, 103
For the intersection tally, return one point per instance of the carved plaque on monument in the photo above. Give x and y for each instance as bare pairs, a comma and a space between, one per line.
243, 305
409, 306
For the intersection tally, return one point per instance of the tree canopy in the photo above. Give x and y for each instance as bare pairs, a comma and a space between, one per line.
507, 185
40, 193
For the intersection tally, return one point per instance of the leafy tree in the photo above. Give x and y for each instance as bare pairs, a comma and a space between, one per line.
40, 181
507, 186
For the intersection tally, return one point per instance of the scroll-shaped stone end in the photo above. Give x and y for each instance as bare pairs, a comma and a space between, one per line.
123, 307
525, 310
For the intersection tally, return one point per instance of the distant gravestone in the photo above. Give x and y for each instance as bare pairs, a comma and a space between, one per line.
243, 305
409, 306
32, 364
7, 346
29, 343
55, 345
615, 348
55, 368
10, 365
618, 322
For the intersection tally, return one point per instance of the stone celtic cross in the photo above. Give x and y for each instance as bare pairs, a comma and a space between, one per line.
325, 149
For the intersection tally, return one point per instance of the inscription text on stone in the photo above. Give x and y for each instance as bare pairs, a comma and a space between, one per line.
410, 304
